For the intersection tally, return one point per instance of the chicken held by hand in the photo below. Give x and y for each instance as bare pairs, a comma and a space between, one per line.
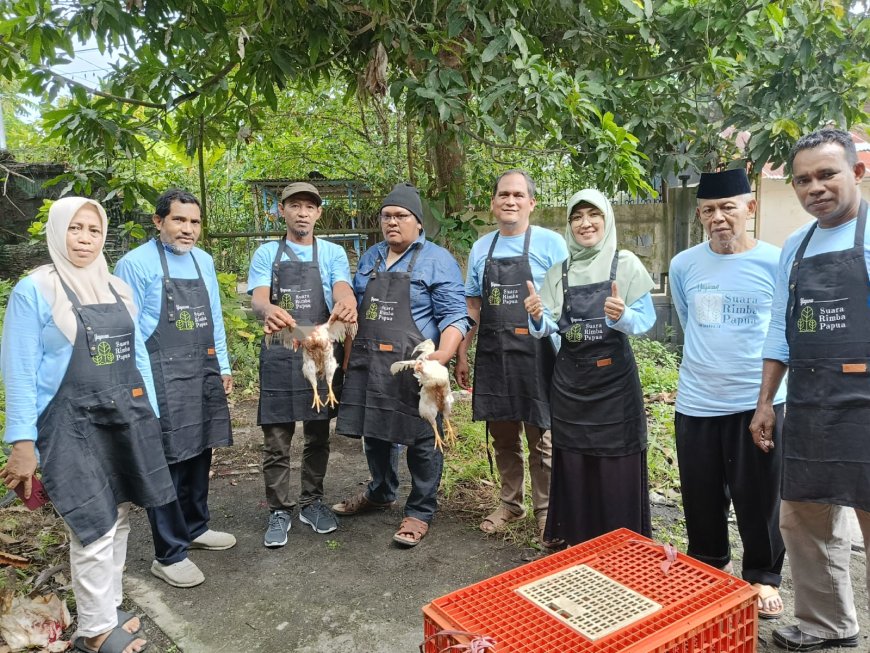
435, 393
318, 356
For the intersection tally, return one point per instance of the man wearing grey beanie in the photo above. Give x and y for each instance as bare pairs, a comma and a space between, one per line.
410, 290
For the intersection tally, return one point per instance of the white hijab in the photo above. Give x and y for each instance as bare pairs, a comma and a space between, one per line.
90, 283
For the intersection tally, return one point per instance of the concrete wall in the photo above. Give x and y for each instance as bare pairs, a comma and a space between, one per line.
780, 213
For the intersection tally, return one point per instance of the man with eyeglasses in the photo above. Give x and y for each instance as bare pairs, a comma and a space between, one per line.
723, 290
512, 368
410, 290
301, 279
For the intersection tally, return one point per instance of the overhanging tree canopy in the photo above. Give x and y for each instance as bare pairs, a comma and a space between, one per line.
622, 88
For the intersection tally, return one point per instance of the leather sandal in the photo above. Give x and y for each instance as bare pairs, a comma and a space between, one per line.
359, 503
411, 531
499, 519
765, 594
118, 640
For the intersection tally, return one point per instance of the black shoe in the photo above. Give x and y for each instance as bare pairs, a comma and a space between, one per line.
792, 639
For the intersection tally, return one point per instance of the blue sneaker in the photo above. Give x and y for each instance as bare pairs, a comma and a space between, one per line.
319, 517
276, 532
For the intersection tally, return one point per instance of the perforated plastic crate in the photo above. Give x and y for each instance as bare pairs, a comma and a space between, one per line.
611, 588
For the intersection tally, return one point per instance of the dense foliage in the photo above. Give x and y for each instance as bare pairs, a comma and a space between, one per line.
616, 90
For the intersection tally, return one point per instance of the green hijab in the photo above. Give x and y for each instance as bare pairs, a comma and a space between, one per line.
592, 264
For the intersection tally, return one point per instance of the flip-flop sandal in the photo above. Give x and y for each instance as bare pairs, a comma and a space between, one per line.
411, 532
124, 617
766, 592
116, 642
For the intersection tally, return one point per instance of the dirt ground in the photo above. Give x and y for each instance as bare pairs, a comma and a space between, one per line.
351, 591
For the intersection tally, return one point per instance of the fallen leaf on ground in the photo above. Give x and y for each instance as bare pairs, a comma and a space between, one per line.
13, 560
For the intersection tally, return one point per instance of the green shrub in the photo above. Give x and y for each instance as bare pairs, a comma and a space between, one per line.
243, 336
657, 364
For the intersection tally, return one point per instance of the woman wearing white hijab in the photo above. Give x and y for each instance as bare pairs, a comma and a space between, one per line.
78, 386
595, 299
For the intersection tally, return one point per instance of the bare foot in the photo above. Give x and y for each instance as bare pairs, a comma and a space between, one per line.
94, 643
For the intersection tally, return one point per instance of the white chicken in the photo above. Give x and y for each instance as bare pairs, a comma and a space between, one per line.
318, 359
435, 393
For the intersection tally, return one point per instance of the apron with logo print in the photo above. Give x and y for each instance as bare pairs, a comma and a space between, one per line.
98, 439
826, 433
377, 403
285, 393
512, 368
596, 397
193, 406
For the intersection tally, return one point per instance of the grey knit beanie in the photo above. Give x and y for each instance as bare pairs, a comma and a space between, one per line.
406, 196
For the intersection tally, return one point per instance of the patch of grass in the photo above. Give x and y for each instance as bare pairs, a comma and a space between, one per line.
657, 364
333, 545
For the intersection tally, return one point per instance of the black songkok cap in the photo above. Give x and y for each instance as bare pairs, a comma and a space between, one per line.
728, 183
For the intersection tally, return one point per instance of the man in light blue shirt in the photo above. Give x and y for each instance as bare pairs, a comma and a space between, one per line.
820, 333
176, 291
303, 279
723, 290
512, 368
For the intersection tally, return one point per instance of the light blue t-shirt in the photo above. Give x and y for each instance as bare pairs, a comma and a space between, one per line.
331, 260
546, 249
34, 357
724, 305
823, 240
142, 271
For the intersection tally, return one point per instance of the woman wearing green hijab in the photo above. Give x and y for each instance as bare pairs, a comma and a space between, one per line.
595, 299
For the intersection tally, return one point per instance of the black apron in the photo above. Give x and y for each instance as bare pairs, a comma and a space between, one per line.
377, 403
187, 377
285, 394
512, 368
826, 433
98, 438
596, 397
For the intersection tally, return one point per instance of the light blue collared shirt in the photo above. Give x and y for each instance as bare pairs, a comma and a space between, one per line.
141, 269
34, 358
437, 293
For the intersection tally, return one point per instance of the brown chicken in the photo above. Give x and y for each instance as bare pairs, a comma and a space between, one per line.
318, 358
435, 394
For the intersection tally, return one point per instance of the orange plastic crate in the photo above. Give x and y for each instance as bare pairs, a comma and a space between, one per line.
702, 609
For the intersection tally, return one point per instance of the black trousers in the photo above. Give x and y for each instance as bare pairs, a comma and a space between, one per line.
720, 464
176, 524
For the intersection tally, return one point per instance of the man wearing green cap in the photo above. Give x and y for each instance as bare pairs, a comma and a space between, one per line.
723, 290
301, 279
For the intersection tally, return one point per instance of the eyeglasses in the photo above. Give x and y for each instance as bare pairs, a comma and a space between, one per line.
398, 217
593, 219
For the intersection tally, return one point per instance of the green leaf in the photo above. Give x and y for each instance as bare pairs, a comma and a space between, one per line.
520, 42
633, 8
495, 48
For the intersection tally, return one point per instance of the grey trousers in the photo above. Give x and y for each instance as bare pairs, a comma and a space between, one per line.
819, 549
276, 463
511, 467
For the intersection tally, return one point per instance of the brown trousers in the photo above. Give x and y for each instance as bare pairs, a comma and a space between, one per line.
509, 459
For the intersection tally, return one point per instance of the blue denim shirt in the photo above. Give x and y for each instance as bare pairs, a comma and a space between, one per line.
437, 287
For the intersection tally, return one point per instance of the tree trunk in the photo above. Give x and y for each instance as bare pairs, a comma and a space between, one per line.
202, 188
449, 160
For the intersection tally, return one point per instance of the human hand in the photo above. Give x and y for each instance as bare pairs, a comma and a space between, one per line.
614, 306
227, 380
345, 309
276, 318
533, 304
20, 467
761, 427
461, 372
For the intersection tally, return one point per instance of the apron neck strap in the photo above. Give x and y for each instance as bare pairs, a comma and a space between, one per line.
860, 227
614, 265
410, 269
526, 241
161, 249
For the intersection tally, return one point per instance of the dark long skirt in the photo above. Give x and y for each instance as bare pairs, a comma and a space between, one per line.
593, 495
